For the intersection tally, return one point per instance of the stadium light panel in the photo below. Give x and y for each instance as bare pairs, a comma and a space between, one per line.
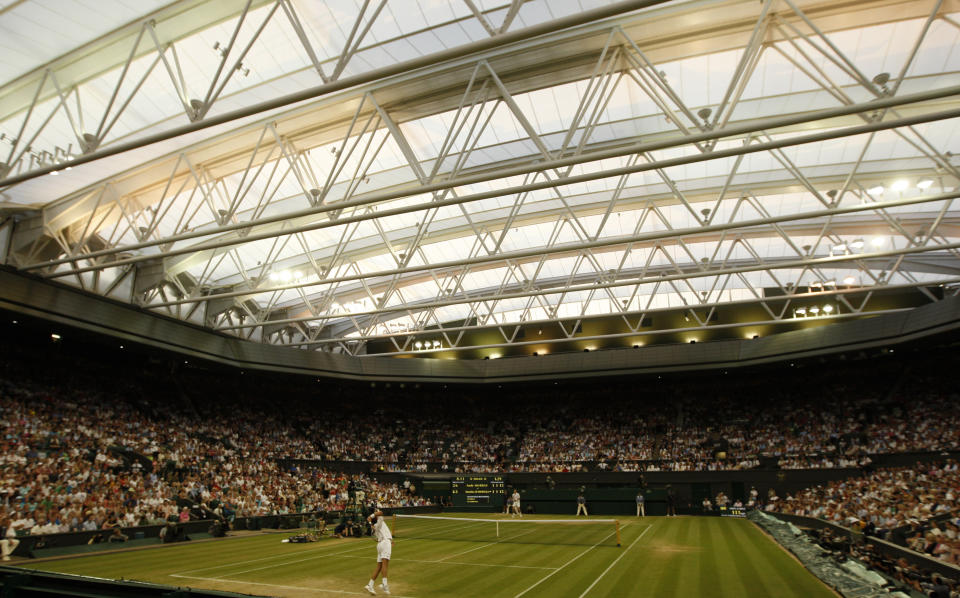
828, 308
849, 280
877, 242
900, 185
925, 184
875, 190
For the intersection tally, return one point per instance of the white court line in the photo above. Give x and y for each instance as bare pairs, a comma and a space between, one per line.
442, 562
491, 544
599, 577
564, 566
309, 558
316, 550
316, 553
273, 585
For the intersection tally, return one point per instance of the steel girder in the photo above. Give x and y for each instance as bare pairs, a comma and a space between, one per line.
252, 301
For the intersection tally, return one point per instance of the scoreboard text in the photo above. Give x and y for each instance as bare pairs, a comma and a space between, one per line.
475, 490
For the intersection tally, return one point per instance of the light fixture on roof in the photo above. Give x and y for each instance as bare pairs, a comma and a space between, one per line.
849, 280
802, 311
418, 345
54, 337
899, 185
856, 244
877, 190
828, 308
814, 310
877, 241
925, 184
839, 248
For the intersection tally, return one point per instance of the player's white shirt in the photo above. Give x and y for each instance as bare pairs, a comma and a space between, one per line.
381, 530
516, 498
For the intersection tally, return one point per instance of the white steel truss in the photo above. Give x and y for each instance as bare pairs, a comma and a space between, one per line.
582, 174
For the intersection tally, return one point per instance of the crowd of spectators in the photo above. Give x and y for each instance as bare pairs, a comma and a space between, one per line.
87, 445
884, 503
85, 460
914, 507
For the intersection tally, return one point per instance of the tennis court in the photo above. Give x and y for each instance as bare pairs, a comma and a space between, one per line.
683, 556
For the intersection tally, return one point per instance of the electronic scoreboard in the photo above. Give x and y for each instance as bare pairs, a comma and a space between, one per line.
477, 490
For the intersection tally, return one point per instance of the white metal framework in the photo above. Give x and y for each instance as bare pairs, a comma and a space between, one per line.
323, 175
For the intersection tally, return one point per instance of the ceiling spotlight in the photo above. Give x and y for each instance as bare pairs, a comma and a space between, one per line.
436, 344
925, 184
828, 308
418, 345
899, 185
875, 190
55, 337
877, 241
849, 280
814, 310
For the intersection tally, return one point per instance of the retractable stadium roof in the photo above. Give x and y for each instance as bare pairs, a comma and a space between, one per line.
443, 177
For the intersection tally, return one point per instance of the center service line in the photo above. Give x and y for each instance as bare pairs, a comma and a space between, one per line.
615, 562
548, 576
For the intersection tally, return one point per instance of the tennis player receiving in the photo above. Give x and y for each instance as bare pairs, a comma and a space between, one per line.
384, 546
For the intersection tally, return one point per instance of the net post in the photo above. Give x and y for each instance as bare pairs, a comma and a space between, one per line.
616, 522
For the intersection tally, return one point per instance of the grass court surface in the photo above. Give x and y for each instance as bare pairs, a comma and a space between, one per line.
661, 557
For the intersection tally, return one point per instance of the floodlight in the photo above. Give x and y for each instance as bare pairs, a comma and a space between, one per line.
802, 311
828, 308
839, 248
875, 190
899, 185
55, 337
274, 277
297, 274
877, 241
418, 345
814, 310
857, 244
436, 344
285, 276
925, 184
849, 280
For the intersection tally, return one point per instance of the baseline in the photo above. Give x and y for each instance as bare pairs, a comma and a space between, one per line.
274, 585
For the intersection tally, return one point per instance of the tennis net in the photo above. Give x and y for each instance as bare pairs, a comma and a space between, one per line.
521, 531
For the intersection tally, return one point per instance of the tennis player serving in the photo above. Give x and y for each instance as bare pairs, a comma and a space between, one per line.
384, 547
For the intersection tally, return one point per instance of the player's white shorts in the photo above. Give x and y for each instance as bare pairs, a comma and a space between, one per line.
384, 548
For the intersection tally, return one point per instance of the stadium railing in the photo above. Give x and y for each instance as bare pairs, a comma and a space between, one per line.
889, 549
